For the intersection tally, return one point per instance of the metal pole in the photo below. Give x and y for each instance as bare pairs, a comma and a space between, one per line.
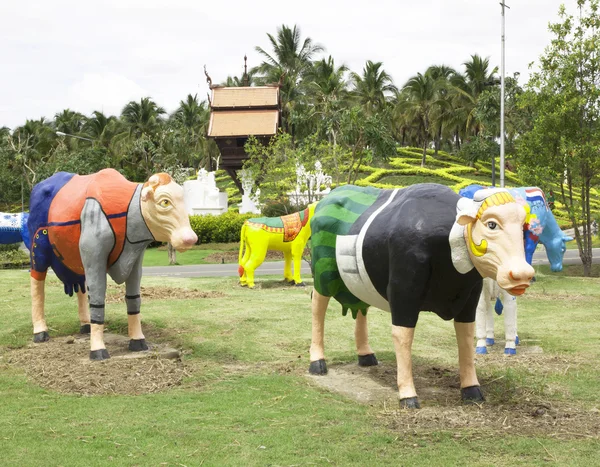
502, 68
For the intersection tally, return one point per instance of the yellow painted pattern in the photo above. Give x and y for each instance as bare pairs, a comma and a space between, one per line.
477, 250
497, 199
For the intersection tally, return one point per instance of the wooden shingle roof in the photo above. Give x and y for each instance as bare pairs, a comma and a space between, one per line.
244, 97
229, 123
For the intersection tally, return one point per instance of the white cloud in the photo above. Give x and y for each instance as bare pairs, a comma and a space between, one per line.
107, 92
98, 55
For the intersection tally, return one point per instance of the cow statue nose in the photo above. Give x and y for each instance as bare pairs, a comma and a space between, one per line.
189, 238
522, 275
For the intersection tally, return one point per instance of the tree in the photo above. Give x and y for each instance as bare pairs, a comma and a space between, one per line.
290, 59
466, 89
142, 117
373, 88
328, 92
366, 137
563, 143
420, 101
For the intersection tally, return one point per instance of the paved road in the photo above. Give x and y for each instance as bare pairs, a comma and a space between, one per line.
276, 267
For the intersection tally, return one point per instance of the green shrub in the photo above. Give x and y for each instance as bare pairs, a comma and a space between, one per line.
219, 229
12, 257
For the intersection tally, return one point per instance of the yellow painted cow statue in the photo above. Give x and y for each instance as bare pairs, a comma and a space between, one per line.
288, 234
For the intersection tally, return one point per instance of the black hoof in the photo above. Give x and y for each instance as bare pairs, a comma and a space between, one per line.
367, 360
472, 395
318, 368
410, 403
41, 337
300, 284
85, 329
137, 345
100, 354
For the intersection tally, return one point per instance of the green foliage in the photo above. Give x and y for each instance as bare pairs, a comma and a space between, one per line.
561, 148
12, 257
218, 229
479, 148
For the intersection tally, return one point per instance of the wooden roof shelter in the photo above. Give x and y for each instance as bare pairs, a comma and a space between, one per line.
237, 113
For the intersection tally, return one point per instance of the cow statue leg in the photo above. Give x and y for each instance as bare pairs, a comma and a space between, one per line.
97, 294
288, 276
84, 312
137, 341
366, 356
40, 329
403, 339
95, 244
510, 323
297, 259
317, 346
259, 253
469, 385
484, 317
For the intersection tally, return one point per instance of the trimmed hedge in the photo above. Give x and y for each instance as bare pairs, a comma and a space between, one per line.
225, 228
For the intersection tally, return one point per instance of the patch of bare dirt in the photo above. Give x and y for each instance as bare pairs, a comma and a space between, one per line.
63, 365
233, 256
508, 409
116, 293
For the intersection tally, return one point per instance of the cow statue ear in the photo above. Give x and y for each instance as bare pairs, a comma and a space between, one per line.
148, 190
465, 211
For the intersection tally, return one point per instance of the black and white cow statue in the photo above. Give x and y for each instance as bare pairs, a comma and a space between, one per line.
421, 248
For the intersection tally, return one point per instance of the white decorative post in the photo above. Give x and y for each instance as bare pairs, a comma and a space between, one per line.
250, 202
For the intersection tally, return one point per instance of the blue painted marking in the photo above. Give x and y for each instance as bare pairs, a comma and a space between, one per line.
481, 350
517, 341
510, 351
489, 341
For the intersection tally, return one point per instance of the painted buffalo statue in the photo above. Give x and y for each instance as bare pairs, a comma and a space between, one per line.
540, 227
421, 248
84, 226
288, 234
13, 228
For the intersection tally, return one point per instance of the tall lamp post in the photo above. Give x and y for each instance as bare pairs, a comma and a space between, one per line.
60, 133
502, 65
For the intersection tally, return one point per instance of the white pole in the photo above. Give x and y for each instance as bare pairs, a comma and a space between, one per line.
502, 65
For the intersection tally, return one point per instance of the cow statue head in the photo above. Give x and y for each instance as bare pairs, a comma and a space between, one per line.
164, 211
555, 251
488, 235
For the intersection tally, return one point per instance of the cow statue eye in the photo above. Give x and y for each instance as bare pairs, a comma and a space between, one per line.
165, 203
492, 225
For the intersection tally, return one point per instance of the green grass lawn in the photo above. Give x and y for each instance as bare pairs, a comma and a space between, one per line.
245, 399
197, 255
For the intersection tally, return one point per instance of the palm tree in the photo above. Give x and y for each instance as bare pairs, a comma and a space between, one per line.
373, 88
69, 122
143, 117
236, 82
101, 128
420, 100
466, 90
290, 59
191, 121
327, 89
441, 117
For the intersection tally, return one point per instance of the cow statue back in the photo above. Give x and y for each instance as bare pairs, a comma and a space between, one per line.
421, 248
85, 226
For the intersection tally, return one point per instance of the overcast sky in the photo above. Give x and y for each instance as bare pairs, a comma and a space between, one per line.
98, 55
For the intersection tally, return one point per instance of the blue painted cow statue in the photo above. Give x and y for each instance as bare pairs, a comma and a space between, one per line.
421, 248
13, 228
541, 227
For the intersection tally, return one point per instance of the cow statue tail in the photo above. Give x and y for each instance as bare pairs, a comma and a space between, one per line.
242, 243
